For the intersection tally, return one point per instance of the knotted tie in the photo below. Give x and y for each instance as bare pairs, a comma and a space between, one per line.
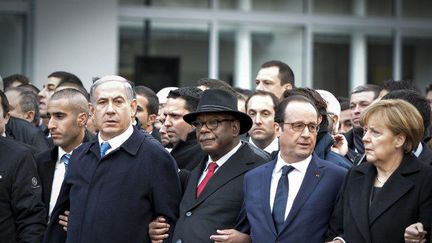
281, 198
210, 172
104, 148
65, 158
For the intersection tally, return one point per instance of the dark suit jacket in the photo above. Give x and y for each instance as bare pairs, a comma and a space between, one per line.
219, 204
22, 213
155, 133
308, 219
23, 131
405, 198
46, 162
426, 154
113, 199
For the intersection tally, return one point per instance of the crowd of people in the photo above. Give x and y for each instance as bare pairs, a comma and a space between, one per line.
214, 163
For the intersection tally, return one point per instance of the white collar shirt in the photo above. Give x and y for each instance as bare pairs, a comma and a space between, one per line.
273, 146
219, 162
295, 180
117, 141
59, 173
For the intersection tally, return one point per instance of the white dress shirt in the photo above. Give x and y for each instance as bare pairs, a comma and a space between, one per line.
295, 179
273, 146
59, 174
117, 141
220, 161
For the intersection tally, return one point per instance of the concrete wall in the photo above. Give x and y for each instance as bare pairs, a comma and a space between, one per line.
79, 36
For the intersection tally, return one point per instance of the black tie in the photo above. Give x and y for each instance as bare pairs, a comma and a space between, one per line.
281, 198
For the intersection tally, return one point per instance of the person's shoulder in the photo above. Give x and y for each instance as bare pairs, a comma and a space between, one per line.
330, 166
253, 151
258, 171
9, 146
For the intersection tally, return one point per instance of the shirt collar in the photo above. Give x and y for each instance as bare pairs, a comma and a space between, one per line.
118, 140
224, 158
419, 149
61, 152
273, 146
300, 166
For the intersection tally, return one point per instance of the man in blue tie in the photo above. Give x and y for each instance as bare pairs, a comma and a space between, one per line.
68, 114
116, 184
289, 199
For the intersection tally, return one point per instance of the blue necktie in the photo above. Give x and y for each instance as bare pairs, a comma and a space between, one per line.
281, 198
65, 158
104, 148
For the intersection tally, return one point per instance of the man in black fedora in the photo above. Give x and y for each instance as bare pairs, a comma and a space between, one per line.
214, 194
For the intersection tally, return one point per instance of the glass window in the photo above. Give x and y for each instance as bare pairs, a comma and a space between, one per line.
266, 43
163, 53
416, 60
332, 6
382, 8
331, 58
379, 59
11, 44
417, 8
169, 3
286, 6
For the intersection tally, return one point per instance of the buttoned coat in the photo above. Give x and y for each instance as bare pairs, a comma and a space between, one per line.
219, 204
113, 199
308, 218
405, 198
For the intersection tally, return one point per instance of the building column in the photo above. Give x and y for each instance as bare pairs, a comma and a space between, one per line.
358, 50
243, 53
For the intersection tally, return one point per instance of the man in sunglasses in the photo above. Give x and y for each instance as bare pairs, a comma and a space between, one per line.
214, 194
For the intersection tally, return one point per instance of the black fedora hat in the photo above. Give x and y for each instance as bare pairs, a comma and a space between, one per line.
218, 100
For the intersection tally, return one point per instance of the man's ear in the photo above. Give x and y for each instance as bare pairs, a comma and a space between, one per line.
287, 86
133, 105
82, 119
29, 116
319, 119
151, 119
236, 128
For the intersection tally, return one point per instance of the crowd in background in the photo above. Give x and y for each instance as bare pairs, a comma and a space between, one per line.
214, 163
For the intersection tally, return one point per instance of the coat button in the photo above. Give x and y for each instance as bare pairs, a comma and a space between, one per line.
188, 214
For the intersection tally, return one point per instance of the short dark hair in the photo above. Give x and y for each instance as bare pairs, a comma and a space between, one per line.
280, 108
7, 82
272, 96
66, 76
191, 95
30, 87
415, 99
391, 85
75, 85
286, 75
4, 103
428, 88
368, 87
344, 103
30, 102
213, 83
152, 99
312, 95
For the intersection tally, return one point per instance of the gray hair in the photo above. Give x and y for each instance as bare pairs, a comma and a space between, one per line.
129, 86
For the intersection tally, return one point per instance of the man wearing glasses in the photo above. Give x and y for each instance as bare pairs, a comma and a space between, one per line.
214, 194
290, 199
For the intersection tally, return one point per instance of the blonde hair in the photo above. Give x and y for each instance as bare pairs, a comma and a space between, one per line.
400, 117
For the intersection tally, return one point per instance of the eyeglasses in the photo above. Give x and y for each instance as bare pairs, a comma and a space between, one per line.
300, 126
210, 124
